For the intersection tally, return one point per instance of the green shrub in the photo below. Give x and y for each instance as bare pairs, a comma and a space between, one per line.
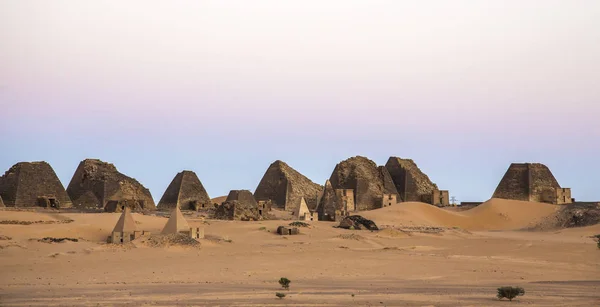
510, 292
284, 282
280, 295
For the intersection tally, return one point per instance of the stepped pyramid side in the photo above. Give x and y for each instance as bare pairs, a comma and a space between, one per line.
29, 184
285, 187
186, 192
96, 184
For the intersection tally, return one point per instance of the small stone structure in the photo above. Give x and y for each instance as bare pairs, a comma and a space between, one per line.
414, 185
287, 231
302, 213
30, 184
177, 224
389, 199
368, 181
186, 192
531, 182
125, 229
285, 186
264, 207
95, 184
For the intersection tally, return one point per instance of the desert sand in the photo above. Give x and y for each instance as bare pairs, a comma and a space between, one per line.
423, 256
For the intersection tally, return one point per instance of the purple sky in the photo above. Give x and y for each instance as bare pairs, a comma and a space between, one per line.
224, 88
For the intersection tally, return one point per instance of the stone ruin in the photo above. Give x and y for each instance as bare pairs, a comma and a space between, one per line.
125, 229
177, 224
414, 185
334, 204
531, 182
285, 187
31, 184
186, 192
357, 222
368, 182
98, 185
287, 231
239, 205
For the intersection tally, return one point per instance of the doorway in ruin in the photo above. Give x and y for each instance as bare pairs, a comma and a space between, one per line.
53, 202
290, 232
260, 212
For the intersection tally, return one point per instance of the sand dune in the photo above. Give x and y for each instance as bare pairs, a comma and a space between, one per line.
495, 214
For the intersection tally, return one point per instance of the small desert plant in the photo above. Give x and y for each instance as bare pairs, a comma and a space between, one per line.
352, 228
280, 295
510, 292
263, 228
285, 283
299, 224
597, 240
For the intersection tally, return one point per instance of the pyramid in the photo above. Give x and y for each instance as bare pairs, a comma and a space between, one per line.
368, 181
96, 184
328, 203
1, 203
186, 192
285, 186
125, 222
302, 210
531, 182
176, 223
244, 197
412, 184
29, 184
239, 205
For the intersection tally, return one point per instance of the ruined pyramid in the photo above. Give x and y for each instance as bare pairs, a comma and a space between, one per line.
285, 186
531, 182
301, 212
97, 184
29, 184
186, 192
368, 181
328, 203
125, 223
176, 223
412, 184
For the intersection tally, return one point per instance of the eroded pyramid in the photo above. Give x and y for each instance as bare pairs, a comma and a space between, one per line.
368, 181
412, 184
186, 192
285, 187
29, 184
97, 184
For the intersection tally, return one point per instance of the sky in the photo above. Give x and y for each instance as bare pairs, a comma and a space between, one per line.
224, 88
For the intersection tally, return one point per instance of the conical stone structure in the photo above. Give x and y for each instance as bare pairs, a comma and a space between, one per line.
97, 184
1, 203
30, 184
176, 223
368, 181
186, 192
126, 223
285, 187
328, 203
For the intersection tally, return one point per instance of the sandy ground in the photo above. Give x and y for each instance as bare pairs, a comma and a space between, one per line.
240, 262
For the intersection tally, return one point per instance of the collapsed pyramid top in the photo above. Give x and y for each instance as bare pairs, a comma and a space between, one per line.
368, 181
186, 192
125, 222
285, 187
95, 183
409, 180
26, 182
176, 223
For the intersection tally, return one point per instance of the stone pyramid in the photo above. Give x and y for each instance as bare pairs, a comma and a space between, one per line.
125, 222
96, 183
301, 210
1, 203
368, 181
328, 203
176, 223
285, 186
412, 184
29, 184
186, 192
529, 182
